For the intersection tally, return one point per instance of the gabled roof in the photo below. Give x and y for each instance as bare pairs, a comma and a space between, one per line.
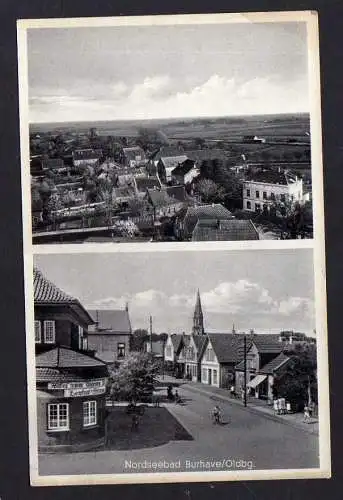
172, 161
275, 364
132, 152
228, 347
159, 198
110, 321
224, 230
54, 375
167, 151
87, 154
178, 192
183, 168
214, 211
144, 183
45, 292
272, 177
176, 341
200, 342
63, 357
267, 343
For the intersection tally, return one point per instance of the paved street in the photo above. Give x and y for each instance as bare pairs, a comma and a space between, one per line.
262, 443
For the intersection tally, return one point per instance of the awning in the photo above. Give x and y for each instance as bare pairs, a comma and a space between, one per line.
256, 381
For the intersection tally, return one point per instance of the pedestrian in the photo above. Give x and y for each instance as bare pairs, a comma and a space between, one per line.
216, 414
307, 415
135, 422
232, 391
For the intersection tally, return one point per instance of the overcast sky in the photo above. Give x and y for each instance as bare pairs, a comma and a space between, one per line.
265, 290
137, 72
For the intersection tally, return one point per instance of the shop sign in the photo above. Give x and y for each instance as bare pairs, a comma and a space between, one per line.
95, 384
79, 393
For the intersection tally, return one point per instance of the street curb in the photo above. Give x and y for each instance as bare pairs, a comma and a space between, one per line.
254, 410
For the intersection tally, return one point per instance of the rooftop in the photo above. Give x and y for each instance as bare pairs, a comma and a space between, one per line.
167, 151
268, 343
228, 347
214, 211
275, 364
272, 177
87, 154
173, 161
46, 292
144, 183
63, 357
224, 230
159, 198
178, 192
184, 168
110, 321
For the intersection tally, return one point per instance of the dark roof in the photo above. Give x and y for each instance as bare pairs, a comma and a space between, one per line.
160, 198
133, 152
111, 321
166, 151
63, 357
87, 154
224, 230
275, 364
54, 375
176, 340
178, 192
53, 163
214, 211
183, 168
228, 347
46, 292
200, 342
267, 343
272, 177
144, 183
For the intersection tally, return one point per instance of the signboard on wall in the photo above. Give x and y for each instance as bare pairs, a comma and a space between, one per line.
90, 387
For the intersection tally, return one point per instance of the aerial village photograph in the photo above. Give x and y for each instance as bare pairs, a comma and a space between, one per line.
173, 132
212, 369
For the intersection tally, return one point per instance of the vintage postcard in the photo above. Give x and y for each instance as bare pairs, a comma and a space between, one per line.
174, 248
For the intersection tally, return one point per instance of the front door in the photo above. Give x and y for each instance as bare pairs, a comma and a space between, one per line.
209, 376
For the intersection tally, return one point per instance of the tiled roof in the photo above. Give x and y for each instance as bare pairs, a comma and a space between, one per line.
224, 230
144, 183
176, 340
167, 151
215, 211
272, 177
111, 321
54, 375
184, 167
173, 161
266, 343
275, 364
46, 292
87, 154
160, 198
63, 357
229, 347
178, 192
199, 341
133, 152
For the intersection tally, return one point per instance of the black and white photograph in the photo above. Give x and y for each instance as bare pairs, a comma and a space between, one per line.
214, 369
172, 131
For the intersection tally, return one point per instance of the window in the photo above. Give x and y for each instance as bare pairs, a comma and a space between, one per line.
272, 196
38, 332
248, 205
283, 197
89, 413
80, 337
264, 195
214, 375
168, 351
49, 332
58, 417
248, 193
257, 194
210, 354
121, 351
257, 207
204, 375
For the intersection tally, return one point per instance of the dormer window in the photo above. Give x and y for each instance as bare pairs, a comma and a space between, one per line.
49, 332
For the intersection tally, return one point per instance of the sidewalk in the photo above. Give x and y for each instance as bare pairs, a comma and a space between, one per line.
253, 405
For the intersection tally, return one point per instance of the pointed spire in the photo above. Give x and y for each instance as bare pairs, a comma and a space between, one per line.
233, 328
198, 320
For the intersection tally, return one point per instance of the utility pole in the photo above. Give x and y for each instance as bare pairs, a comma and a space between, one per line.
151, 334
245, 370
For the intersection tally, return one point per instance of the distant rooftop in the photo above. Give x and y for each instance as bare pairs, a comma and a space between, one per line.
111, 320
215, 211
144, 183
273, 177
87, 154
184, 167
224, 230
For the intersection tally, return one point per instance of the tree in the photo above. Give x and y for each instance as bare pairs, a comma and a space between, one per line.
299, 381
294, 218
137, 339
210, 191
137, 206
135, 377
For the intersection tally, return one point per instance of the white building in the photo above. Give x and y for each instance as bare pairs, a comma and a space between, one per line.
268, 187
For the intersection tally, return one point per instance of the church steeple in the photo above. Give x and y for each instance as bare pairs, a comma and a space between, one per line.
198, 320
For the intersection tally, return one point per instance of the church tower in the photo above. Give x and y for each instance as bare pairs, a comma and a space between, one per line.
198, 320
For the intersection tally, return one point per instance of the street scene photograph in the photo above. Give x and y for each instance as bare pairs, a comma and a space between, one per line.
184, 361
171, 131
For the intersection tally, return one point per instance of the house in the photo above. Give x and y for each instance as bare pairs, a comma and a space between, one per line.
162, 204
270, 373
186, 222
166, 165
123, 194
222, 352
70, 380
262, 349
133, 156
179, 193
224, 230
267, 187
54, 164
174, 354
185, 173
111, 333
171, 347
141, 184
83, 157
194, 353
165, 152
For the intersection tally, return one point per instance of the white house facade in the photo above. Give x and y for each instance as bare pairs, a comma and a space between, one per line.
210, 367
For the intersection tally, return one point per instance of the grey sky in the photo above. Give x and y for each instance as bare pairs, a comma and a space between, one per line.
139, 72
265, 290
